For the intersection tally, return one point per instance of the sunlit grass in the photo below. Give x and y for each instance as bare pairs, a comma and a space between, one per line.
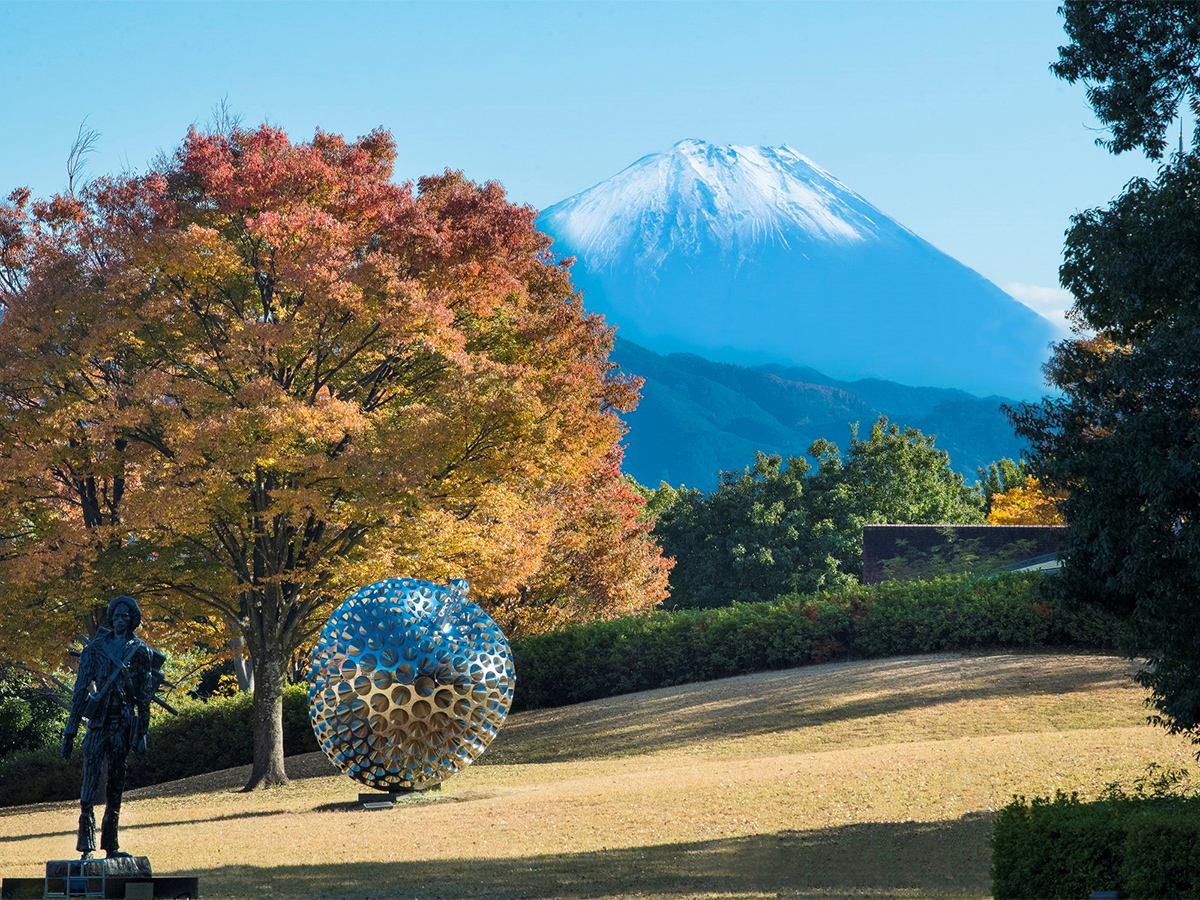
852, 779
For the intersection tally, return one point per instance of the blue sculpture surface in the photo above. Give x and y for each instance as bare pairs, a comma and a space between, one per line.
410, 682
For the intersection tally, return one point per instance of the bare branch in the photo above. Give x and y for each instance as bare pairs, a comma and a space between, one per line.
223, 120
84, 143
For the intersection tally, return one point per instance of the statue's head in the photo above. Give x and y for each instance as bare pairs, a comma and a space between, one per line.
124, 606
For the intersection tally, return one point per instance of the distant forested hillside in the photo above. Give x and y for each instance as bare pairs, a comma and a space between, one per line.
697, 417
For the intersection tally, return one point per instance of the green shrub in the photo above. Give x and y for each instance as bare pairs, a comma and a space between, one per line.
204, 737
1162, 850
35, 776
29, 718
602, 659
1147, 845
1055, 848
213, 735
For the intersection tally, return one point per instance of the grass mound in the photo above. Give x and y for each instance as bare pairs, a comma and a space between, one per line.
870, 778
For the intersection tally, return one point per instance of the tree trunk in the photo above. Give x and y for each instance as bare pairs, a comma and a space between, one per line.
268, 722
243, 664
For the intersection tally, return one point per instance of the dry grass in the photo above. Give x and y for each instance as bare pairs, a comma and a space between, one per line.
855, 779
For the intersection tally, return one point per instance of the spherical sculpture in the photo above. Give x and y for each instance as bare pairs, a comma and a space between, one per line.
410, 681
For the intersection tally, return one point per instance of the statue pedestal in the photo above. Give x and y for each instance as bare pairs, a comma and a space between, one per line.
120, 877
91, 877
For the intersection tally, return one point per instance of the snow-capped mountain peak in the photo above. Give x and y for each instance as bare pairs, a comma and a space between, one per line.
758, 255
739, 198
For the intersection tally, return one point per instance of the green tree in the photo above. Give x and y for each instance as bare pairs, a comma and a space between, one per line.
749, 540
775, 528
1123, 440
654, 500
896, 476
30, 718
1140, 62
1000, 477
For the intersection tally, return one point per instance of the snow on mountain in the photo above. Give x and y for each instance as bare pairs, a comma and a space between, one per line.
757, 255
731, 196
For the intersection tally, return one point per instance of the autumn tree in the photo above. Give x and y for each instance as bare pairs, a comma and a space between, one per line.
1027, 504
65, 375
600, 561
262, 374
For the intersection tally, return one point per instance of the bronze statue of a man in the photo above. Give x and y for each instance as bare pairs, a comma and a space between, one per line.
113, 691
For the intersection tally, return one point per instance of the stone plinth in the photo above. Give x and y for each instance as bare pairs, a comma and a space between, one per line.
119, 877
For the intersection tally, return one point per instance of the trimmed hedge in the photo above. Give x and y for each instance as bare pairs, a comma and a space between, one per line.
1061, 847
602, 659
204, 737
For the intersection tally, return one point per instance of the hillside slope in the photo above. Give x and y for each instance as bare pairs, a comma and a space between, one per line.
859, 779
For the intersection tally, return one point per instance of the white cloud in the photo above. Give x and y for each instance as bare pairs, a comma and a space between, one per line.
1050, 302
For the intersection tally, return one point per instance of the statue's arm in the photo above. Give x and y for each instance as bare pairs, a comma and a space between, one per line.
145, 690
79, 699
79, 695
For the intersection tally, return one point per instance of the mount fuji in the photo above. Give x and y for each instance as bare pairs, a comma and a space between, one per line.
757, 255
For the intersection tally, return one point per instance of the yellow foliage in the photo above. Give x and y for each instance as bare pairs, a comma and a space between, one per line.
227, 686
1028, 505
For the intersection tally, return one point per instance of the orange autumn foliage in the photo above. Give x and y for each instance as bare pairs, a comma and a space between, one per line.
262, 374
599, 562
1026, 505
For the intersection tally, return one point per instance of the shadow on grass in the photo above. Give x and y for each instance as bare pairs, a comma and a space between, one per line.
669, 718
11, 838
947, 858
416, 799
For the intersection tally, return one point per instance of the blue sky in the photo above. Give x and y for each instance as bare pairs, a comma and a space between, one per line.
943, 115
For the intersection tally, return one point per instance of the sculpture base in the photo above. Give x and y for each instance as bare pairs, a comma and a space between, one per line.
121, 876
394, 795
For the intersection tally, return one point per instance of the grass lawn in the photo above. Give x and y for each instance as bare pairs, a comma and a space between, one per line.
862, 779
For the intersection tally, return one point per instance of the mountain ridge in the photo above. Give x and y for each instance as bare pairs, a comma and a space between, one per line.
698, 417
